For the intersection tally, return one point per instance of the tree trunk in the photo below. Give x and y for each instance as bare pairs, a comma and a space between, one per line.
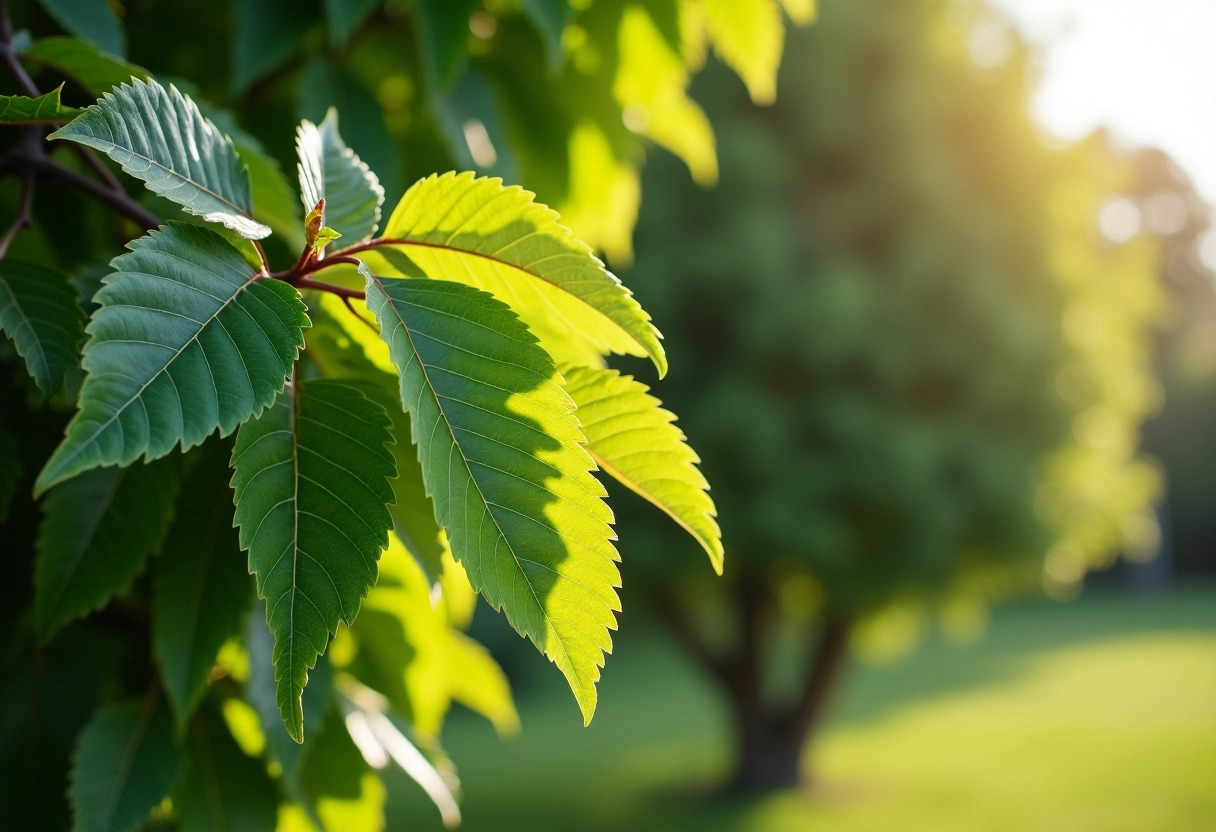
770, 741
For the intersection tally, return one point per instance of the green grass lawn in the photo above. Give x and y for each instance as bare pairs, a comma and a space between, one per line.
1096, 715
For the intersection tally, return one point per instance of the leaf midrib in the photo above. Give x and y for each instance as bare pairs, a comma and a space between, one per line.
405, 241
238, 209
128, 756
464, 461
80, 446
29, 322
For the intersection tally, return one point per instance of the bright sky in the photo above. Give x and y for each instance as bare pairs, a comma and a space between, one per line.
1145, 68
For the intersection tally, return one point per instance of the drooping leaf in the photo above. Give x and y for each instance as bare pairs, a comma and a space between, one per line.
651, 85
748, 37
312, 481
10, 471
261, 691
267, 33
84, 63
185, 341
124, 766
478, 683
502, 458
331, 171
39, 311
222, 789
200, 587
345, 347
97, 532
45, 109
636, 441
92, 20
475, 230
444, 33
345, 16
192, 164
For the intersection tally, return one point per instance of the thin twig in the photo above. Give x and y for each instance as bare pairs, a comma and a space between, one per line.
118, 200
340, 291
362, 319
25, 218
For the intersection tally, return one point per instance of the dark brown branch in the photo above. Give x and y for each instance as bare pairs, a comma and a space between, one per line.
119, 200
822, 672
25, 217
340, 291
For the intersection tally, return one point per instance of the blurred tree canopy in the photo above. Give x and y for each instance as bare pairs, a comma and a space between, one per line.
920, 368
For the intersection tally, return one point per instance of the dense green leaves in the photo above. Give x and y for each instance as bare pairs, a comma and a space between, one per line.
478, 231
160, 137
636, 441
502, 458
124, 766
312, 480
185, 342
331, 171
200, 586
97, 532
40, 312
45, 109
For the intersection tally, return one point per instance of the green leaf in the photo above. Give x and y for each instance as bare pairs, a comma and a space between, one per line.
124, 766
186, 341
636, 441
801, 12
92, 20
222, 789
262, 692
312, 481
478, 683
474, 230
345, 16
749, 38
45, 109
200, 587
160, 137
84, 63
502, 458
40, 312
443, 29
331, 171
97, 532
345, 347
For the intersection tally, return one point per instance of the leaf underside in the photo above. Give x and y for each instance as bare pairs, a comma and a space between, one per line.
312, 483
40, 312
502, 459
160, 137
475, 230
185, 342
331, 171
